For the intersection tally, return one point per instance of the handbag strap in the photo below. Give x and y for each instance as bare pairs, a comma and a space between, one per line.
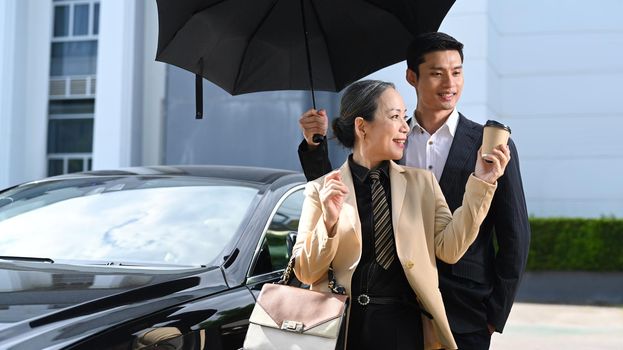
335, 287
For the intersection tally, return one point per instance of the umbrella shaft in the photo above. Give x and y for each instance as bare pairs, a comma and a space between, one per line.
309, 64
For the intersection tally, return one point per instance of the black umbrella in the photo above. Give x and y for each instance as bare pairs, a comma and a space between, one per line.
264, 45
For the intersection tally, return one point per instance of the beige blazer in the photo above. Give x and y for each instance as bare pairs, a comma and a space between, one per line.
424, 228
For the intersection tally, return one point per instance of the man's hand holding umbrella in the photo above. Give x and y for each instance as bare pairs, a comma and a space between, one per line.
314, 122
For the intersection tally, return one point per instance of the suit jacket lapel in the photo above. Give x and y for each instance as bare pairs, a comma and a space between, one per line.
464, 145
349, 208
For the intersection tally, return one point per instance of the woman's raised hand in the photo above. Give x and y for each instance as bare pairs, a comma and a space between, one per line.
492, 170
332, 196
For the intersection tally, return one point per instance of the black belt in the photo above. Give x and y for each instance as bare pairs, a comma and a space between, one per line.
364, 299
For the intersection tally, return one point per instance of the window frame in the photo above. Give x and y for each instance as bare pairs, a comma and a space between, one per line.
251, 278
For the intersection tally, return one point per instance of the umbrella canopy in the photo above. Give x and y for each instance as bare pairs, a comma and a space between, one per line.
263, 45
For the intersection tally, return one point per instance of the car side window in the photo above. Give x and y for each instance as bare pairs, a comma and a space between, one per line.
274, 254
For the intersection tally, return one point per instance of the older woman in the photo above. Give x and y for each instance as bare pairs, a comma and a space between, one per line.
381, 226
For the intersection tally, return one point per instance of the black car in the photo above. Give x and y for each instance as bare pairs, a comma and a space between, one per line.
142, 258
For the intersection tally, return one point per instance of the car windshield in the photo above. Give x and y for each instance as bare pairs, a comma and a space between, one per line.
124, 220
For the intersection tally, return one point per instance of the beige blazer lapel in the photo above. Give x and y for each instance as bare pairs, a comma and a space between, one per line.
349, 208
398, 189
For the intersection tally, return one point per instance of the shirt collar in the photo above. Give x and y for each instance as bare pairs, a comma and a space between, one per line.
361, 172
451, 122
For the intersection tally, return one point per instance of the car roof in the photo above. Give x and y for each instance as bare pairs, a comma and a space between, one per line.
239, 173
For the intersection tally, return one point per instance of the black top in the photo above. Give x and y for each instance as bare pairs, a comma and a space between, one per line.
369, 277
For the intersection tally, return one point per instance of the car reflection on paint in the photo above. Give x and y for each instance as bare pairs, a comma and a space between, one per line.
142, 258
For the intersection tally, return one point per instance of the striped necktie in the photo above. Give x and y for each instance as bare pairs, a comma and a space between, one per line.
384, 246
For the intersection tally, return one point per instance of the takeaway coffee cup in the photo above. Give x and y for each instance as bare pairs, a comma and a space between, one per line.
494, 133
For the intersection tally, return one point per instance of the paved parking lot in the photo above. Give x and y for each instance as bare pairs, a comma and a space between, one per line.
546, 326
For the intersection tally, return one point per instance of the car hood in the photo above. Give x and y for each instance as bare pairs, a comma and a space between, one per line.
38, 291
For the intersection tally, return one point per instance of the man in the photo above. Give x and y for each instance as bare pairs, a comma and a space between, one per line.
478, 291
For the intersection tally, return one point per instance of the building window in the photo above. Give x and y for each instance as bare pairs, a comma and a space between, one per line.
96, 19
73, 68
61, 21
70, 135
81, 19
73, 58
76, 18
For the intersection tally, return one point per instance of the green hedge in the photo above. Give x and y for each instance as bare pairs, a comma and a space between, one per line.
564, 244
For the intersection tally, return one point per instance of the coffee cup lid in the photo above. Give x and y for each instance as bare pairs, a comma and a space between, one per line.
498, 125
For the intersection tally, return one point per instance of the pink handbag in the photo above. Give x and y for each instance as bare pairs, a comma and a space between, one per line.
286, 317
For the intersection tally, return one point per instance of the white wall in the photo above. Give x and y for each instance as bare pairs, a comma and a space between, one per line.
116, 74
24, 72
154, 77
36, 72
8, 13
559, 70
130, 87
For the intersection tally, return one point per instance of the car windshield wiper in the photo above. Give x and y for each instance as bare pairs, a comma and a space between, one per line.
142, 264
26, 258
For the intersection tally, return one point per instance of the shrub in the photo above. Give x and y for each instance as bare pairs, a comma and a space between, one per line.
572, 244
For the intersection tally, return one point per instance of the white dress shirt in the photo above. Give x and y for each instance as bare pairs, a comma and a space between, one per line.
426, 151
